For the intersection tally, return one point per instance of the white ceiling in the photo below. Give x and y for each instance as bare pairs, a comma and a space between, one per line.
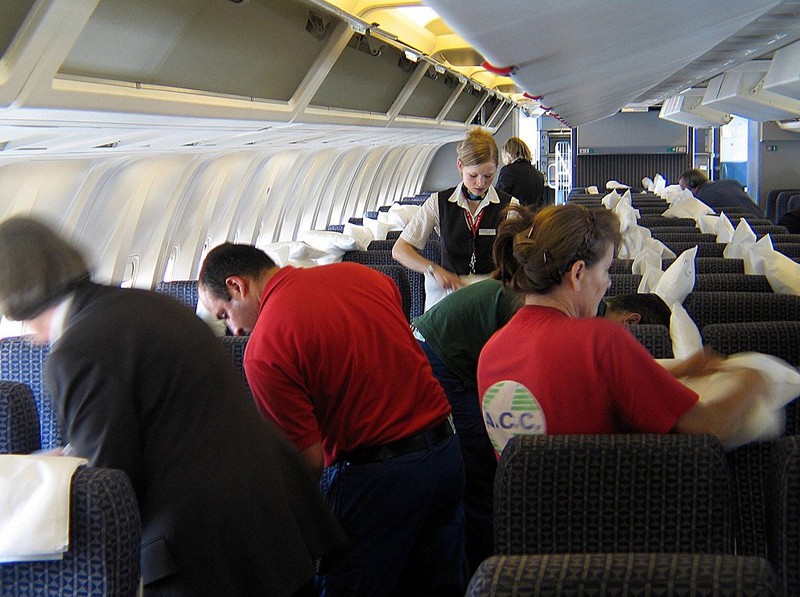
589, 58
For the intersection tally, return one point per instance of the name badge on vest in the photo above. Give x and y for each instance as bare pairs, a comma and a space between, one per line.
487, 232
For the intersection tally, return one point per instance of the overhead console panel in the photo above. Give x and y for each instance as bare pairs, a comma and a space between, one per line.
741, 91
687, 108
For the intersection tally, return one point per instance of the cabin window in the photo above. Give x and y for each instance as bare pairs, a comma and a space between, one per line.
169, 270
131, 269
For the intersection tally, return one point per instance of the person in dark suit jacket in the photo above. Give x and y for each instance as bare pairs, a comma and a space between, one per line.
227, 507
519, 178
718, 194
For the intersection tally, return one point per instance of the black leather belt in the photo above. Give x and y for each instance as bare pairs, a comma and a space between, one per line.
400, 447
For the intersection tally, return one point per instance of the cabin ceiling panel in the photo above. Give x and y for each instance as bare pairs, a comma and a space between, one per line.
618, 48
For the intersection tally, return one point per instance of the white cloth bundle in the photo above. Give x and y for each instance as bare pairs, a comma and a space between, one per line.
755, 259
686, 205
34, 506
742, 241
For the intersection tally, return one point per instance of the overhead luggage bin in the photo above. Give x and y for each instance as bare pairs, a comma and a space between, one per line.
783, 75
741, 91
687, 108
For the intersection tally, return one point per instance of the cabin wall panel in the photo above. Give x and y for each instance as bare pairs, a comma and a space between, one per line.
628, 169
442, 173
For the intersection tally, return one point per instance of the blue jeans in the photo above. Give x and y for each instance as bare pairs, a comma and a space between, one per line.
480, 461
405, 522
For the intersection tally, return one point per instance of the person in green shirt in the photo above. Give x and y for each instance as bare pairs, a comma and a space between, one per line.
452, 334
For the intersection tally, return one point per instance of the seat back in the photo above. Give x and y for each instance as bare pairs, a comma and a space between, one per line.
184, 291
23, 361
666, 574
104, 543
236, 346
400, 277
784, 519
731, 283
732, 307
612, 493
377, 258
19, 420
655, 338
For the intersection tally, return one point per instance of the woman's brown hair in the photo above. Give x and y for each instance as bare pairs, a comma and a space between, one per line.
534, 249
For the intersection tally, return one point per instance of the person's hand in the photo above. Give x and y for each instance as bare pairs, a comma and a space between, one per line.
447, 279
700, 363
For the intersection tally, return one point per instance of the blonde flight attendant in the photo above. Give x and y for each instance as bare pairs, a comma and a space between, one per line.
465, 217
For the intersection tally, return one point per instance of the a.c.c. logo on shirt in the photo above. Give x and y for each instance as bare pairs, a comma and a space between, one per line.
509, 409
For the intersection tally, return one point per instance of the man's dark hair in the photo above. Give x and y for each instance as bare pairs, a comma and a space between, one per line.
694, 178
650, 307
230, 259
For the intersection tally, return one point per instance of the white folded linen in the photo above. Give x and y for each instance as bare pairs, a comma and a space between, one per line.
34, 506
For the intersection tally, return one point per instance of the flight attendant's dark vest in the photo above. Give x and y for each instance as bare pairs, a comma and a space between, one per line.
457, 237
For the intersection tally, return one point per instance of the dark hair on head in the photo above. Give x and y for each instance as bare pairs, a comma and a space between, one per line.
694, 178
38, 268
230, 259
534, 249
651, 308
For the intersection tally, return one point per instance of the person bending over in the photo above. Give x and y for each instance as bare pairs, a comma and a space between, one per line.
570, 371
636, 307
331, 359
143, 385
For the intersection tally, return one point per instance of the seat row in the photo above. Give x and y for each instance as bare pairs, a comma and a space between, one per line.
636, 514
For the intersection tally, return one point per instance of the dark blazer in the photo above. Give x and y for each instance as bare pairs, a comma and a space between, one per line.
227, 506
720, 194
522, 180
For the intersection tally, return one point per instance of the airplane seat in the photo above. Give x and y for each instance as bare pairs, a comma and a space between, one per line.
398, 274
761, 230
667, 574
184, 291
770, 202
712, 265
356, 221
731, 283
782, 203
684, 237
626, 283
789, 249
393, 234
335, 228
648, 493
19, 420
384, 208
23, 361
731, 307
710, 249
236, 346
652, 221
104, 543
381, 245
784, 523
372, 215
416, 280
655, 338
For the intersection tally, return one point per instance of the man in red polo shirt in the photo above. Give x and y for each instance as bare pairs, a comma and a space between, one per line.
332, 360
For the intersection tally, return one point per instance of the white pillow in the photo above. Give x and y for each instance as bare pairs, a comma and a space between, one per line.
646, 257
724, 229
742, 241
647, 183
755, 258
659, 184
613, 184
678, 279
783, 274
362, 235
282, 253
650, 278
610, 200
400, 215
683, 332
378, 228
686, 205
328, 241
670, 192
592, 190
766, 418
707, 224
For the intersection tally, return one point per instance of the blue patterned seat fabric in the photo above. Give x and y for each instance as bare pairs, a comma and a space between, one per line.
23, 361
665, 575
19, 419
104, 544
184, 291
612, 493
